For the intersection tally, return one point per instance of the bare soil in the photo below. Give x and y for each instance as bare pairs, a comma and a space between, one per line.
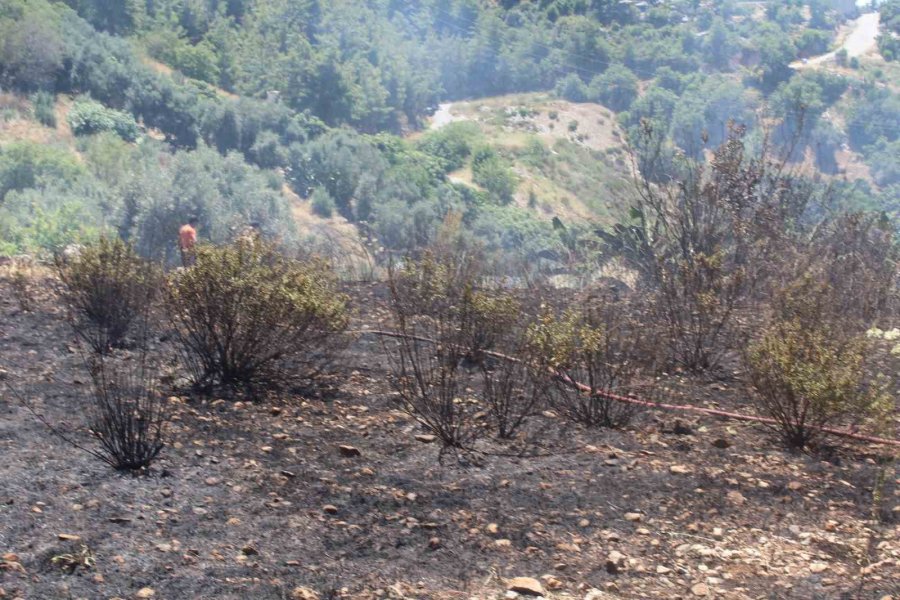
236, 507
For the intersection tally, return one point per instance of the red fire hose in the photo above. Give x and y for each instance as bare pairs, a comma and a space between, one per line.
664, 406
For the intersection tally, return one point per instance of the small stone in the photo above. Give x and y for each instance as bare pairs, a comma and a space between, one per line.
817, 567
680, 469
503, 543
492, 528
735, 497
68, 537
700, 589
302, 593
718, 533
146, 593
120, 520
721, 443
614, 562
633, 517
349, 451
682, 428
525, 585
661, 570
584, 523
330, 509
794, 486
426, 438
552, 582
249, 550
434, 543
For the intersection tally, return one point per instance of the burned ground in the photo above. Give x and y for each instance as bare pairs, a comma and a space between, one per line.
256, 500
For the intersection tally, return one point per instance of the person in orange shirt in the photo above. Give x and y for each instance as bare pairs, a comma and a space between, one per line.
187, 239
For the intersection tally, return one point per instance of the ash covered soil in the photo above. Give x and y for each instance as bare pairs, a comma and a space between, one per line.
257, 500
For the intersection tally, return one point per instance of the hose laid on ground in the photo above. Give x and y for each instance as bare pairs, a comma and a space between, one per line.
853, 435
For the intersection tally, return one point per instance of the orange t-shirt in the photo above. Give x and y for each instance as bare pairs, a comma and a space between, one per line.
187, 237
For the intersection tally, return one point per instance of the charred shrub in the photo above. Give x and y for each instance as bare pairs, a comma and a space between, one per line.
106, 287
446, 319
807, 369
127, 413
514, 387
598, 344
246, 316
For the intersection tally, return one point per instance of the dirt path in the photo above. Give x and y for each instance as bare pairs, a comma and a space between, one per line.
442, 116
861, 39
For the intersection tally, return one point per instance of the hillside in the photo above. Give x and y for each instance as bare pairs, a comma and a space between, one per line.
570, 159
258, 500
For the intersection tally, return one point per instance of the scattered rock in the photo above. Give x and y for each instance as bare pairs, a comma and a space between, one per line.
700, 589
503, 543
145, 593
330, 509
817, 567
682, 428
120, 520
633, 517
302, 593
680, 469
434, 543
735, 497
661, 570
68, 537
721, 443
718, 533
614, 562
349, 451
249, 550
525, 585
492, 528
794, 486
426, 438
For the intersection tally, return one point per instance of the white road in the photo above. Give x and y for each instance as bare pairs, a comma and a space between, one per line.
862, 38
442, 116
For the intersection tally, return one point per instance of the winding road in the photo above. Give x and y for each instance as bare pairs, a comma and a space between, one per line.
862, 38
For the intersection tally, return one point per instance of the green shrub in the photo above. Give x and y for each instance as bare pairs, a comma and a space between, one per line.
322, 203
107, 288
452, 144
571, 88
25, 164
807, 369
43, 106
492, 172
245, 316
87, 117
599, 344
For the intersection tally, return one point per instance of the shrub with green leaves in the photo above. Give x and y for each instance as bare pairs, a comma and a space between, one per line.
43, 106
806, 379
808, 367
107, 288
246, 316
322, 203
597, 344
87, 117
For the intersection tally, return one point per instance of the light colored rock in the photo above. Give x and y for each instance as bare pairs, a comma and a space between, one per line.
633, 517
525, 585
145, 593
735, 497
818, 567
302, 593
700, 589
680, 469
